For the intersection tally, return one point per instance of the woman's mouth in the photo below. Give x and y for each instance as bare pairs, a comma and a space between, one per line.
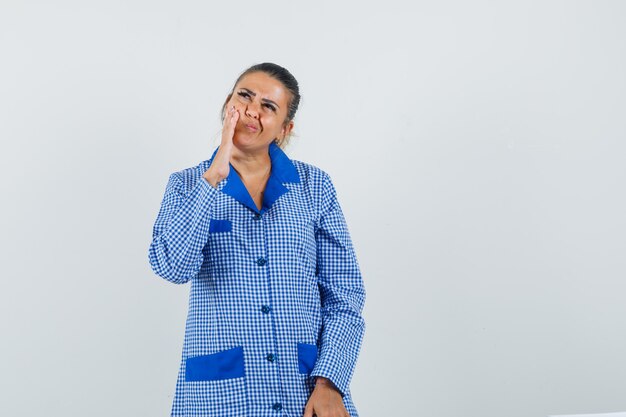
251, 128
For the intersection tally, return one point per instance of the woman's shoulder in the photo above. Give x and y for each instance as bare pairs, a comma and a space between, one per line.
187, 178
310, 174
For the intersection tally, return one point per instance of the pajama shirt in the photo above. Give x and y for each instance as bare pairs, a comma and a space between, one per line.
276, 294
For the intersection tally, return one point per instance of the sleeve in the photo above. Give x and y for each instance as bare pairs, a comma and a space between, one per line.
342, 295
181, 230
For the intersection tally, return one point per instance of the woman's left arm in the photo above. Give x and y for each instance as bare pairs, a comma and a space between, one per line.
342, 295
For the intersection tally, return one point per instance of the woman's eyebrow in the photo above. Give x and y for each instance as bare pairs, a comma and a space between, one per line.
263, 99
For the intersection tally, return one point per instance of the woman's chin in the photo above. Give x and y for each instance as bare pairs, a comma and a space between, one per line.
245, 140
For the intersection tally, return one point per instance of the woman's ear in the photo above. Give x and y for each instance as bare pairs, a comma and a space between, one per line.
287, 129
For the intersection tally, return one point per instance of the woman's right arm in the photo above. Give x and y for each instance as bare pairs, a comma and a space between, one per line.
182, 226
181, 230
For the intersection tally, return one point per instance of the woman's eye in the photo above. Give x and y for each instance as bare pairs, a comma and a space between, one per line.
246, 95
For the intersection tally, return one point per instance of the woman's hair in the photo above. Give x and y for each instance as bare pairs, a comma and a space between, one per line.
288, 81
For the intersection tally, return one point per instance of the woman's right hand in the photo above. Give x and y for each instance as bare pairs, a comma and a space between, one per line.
220, 167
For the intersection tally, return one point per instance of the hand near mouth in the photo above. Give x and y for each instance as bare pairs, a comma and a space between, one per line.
220, 167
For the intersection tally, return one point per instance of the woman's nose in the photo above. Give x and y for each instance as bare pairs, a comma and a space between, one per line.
251, 111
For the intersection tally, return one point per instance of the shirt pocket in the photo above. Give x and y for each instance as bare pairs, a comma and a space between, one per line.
307, 356
220, 226
224, 364
215, 383
224, 246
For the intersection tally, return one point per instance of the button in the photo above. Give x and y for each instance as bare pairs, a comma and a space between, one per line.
270, 357
261, 261
265, 309
277, 406
257, 216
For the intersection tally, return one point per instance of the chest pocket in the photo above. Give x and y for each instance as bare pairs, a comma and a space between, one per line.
220, 226
225, 245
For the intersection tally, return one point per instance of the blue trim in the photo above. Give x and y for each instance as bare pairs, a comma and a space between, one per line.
219, 225
234, 187
221, 365
307, 356
273, 190
283, 171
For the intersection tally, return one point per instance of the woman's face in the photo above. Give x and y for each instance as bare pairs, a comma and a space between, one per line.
262, 104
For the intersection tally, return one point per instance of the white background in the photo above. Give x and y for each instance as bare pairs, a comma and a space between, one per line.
478, 149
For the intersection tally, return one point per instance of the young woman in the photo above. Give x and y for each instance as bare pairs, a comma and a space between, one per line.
274, 326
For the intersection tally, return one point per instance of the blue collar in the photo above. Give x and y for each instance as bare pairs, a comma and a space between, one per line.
282, 171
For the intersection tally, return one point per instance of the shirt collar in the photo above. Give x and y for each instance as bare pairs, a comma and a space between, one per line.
282, 171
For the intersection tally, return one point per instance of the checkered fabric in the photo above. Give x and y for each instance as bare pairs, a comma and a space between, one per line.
276, 294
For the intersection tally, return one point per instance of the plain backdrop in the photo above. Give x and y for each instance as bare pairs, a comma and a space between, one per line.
478, 149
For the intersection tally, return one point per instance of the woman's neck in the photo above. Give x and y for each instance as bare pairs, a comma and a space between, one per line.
251, 163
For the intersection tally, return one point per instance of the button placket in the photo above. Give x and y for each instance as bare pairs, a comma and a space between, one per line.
265, 308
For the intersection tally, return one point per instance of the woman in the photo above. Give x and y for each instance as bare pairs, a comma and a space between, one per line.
274, 325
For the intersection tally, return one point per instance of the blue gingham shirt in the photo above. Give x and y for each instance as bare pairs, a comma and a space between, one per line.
276, 294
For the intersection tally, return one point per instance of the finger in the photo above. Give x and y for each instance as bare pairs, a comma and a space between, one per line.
308, 411
228, 114
232, 120
234, 113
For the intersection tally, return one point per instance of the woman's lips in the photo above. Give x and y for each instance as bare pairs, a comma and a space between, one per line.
251, 128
